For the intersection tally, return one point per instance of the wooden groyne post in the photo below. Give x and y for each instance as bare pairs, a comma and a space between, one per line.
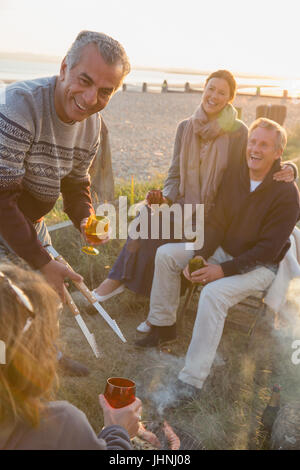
164, 87
187, 87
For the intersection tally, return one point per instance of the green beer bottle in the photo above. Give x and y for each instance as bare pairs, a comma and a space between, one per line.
195, 264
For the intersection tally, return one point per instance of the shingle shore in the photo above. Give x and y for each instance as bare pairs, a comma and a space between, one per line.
142, 127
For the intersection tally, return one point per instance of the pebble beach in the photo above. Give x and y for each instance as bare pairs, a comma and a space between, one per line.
142, 127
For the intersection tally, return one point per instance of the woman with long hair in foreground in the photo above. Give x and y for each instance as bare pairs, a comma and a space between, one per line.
28, 418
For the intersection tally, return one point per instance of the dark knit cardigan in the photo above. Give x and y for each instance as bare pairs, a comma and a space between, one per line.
253, 227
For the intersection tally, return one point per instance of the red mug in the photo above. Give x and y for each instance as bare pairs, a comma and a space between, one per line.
119, 392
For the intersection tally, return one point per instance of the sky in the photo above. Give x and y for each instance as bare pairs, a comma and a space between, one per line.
258, 36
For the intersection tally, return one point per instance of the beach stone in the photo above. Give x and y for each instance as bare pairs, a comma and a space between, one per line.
142, 127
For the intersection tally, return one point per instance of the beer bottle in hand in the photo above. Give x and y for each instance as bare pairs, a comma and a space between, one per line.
195, 264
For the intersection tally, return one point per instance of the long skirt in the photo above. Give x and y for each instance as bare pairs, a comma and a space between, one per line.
134, 266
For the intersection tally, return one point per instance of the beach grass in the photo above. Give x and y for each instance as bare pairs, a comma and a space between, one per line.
124, 187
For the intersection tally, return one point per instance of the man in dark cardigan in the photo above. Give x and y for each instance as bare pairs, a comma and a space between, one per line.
246, 237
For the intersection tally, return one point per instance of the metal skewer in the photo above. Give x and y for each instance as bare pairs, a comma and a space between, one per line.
89, 336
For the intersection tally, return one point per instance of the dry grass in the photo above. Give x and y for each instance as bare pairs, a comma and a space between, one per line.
234, 396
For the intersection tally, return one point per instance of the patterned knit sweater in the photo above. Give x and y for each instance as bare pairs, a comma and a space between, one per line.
41, 156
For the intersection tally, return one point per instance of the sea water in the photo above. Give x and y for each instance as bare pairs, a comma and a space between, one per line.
12, 69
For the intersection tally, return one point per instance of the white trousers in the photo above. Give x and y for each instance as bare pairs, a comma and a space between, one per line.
215, 300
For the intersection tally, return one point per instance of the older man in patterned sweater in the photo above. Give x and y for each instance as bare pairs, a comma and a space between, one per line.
49, 135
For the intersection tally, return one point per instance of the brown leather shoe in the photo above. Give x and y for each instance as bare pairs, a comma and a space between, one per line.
73, 368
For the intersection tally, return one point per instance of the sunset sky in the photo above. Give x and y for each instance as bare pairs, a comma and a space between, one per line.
259, 36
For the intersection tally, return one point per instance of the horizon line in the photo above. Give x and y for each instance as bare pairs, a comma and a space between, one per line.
30, 56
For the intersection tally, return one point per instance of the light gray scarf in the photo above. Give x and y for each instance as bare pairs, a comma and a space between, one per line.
199, 181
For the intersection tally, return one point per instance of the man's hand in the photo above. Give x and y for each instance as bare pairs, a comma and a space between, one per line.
91, 241
186, 271
128, 416
55, 273
286, 174
210, 273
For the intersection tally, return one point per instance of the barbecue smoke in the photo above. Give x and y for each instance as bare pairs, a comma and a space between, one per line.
287, 322
286, 332
159, 384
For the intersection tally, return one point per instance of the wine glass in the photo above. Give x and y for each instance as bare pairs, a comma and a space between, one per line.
119, 392
96, 229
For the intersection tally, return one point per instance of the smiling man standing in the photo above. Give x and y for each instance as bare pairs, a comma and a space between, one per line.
49, 135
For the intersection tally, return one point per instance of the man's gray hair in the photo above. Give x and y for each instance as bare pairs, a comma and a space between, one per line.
110, 49
271, 125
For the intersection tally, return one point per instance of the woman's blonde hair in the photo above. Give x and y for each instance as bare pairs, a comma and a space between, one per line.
29, 371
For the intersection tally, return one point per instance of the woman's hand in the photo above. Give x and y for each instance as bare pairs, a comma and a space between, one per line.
286, 174
128, 417
155, 196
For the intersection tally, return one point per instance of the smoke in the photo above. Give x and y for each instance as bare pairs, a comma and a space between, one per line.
286, 333
160, 386
287, 322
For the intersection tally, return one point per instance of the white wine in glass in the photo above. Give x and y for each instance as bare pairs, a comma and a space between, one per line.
96, 229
